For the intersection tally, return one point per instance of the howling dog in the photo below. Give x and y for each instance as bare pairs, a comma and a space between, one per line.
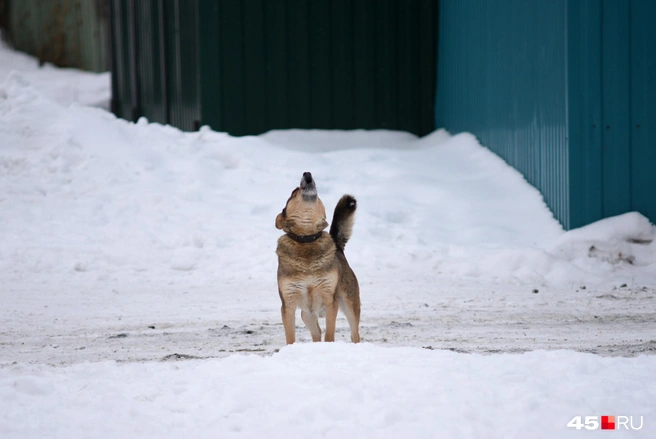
313, 273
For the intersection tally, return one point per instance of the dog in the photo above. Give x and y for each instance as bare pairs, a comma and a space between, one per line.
313, 273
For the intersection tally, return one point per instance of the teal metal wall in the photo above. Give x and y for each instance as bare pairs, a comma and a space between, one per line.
502, 76
67, 33
612, 108
561, 90
643, 107
584, 93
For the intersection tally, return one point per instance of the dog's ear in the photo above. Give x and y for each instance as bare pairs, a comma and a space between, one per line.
279, 221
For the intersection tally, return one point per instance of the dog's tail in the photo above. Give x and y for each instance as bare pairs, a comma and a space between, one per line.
343, 219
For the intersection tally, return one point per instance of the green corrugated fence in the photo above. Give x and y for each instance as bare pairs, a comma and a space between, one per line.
248, 66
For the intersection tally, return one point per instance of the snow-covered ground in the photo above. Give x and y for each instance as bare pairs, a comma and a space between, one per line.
62, 85
126, 247
333, 391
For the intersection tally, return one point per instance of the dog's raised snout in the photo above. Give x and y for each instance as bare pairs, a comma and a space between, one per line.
308, 188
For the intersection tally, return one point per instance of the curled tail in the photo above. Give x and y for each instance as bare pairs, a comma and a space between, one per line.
343, 219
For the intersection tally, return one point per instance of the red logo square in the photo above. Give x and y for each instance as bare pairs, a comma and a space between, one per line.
608, 422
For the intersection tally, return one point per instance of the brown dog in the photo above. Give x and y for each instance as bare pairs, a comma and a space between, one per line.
313, 273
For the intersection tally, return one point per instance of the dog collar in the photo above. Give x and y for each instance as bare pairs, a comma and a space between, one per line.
304, 239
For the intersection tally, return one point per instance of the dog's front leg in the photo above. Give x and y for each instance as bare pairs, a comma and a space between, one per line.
312, 322
331, 316
289, 322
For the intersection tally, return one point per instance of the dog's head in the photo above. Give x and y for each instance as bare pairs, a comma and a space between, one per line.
304, 213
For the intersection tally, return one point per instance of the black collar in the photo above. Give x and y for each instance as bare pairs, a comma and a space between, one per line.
304, 239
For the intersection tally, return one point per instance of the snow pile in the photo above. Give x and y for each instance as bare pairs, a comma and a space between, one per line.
628, 238
331, 390
621, 248
64, 86
91, 196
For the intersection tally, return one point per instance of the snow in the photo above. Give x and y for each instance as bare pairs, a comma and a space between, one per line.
127, 246
64, 86
333, 391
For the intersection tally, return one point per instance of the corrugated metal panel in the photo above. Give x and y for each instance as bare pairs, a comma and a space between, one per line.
263, 65
563, 91
67, 33
93, 35
182, 64
150, 64
584, 92
643, 107
122, 93
4, 22
321, 64
155, 59
210, 66
502, 76
615, 72
297, 68
612, 103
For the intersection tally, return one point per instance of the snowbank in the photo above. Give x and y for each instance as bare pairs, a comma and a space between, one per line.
64, 86
624, 239
95, 197
331, 390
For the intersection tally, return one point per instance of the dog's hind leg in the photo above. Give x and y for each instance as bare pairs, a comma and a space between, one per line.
312, 322
289, 322
352, 312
